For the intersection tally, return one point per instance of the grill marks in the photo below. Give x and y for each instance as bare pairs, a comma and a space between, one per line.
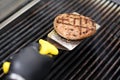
85, 24
67, 22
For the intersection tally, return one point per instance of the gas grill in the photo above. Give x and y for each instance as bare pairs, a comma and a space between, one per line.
95, 58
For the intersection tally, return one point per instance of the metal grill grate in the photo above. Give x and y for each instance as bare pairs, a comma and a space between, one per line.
95, 58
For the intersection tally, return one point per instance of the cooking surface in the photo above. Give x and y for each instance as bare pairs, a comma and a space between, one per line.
95, 58
116, 1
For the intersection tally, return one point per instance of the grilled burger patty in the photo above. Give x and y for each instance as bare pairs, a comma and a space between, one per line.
74, 26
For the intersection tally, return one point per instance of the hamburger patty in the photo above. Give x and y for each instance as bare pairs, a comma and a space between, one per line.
74, 26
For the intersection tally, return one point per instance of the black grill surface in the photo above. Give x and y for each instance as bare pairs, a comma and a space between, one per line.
96, 58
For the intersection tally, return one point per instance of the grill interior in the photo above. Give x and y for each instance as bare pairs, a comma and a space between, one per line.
97, 57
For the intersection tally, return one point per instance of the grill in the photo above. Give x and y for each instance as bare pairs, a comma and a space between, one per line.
96, 58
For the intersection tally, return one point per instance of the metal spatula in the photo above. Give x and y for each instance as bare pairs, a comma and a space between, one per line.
62, 43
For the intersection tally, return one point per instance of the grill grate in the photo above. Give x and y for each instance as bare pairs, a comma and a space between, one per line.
95, 58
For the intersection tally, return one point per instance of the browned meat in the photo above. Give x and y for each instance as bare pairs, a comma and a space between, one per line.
73, 26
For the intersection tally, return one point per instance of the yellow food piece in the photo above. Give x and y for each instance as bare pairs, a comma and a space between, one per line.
47, 48
6, 66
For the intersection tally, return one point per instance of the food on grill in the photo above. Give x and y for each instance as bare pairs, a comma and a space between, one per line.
74, 26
